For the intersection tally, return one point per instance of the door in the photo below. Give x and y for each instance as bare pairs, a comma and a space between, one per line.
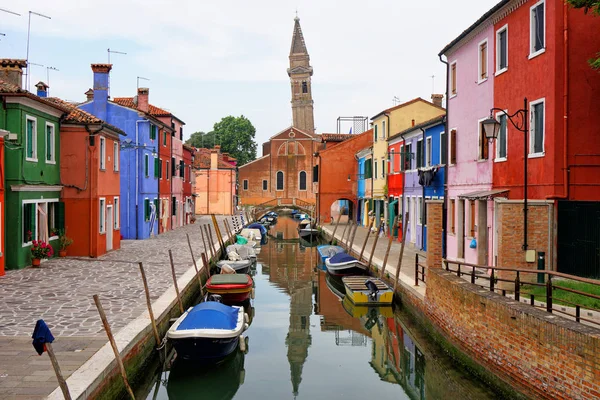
578, 242
109, 227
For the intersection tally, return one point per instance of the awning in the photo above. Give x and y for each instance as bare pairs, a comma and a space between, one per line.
483, 194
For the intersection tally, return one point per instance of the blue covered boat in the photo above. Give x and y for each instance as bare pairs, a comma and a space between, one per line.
208, 332
326, 250
344, 264
260, 227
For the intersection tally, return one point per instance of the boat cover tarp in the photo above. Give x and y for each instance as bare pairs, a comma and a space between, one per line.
237, 279
341, 258
241, 240
210, 315
329, 250
258, 226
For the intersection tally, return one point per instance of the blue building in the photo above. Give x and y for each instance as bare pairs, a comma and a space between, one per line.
423, 163
364, 177
138, 154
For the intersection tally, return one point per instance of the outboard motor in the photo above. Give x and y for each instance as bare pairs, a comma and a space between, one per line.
372, 289
213, 297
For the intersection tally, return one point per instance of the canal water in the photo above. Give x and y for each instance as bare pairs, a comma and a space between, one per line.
304, 342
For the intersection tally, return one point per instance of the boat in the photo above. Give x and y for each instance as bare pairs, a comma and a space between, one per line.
363, 290
327, 250
233, 288
260, 227
336, 285
209, 331
222, 381
251, 234
345, 264
240, 251
307, 230
240, 267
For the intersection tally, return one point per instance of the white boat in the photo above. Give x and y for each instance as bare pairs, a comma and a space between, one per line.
344, 264
243, 251
251, 234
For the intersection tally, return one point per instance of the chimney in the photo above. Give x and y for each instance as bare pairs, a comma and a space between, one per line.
142, 99
214, 157
101, 75
89, 94
42, 89
413, 122
11, 71
437, 99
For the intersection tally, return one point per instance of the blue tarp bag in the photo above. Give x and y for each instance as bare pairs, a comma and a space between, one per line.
473, 244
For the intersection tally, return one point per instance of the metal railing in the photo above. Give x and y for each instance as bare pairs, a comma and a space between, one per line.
420, 268
519, 287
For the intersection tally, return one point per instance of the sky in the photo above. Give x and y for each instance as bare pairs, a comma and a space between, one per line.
204, 60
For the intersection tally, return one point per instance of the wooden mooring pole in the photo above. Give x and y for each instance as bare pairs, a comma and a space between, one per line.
59, 376
175, 282
404, 225
203, 241
374, 246
362, 251
195, 266
352, 240
209, 241
205, 264
335, 229
149, 304
113, 344
389, 246
218, 232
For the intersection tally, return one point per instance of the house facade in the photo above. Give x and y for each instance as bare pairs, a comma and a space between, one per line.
165, 153
90, 175
32, 184
2, 230
189, 183
215, 187
364, 179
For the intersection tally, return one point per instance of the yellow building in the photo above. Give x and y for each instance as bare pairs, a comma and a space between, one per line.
388, 123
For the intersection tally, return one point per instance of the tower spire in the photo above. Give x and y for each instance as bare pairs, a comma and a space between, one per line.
300, 73
298, 44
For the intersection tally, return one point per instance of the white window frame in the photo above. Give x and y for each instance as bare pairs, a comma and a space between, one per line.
102, 154
410, 163
383, 136
532, 52
479, 65
417, 154
450, 147
116, 156
306, 181
245, 184
33, 136
401, 157
498, 32
277, 182
391, 167
52, 144
497, 147
419, 216
531, 154
428, 151
116, 211
455, 81
102, 215
375, 169
36, 202
480, 141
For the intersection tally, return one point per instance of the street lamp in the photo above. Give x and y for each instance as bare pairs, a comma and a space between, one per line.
519, 120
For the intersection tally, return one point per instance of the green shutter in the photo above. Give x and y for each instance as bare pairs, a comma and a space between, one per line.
29, 133
146, 209
164, 138
32, 217
156, 167
60, 215
156, 208
48, 144
146, 166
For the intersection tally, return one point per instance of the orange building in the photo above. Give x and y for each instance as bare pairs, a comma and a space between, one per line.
89, 156
2, 134
215, 182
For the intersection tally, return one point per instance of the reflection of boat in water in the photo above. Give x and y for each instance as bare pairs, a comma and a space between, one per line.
308, 243
359, 311
189, 381
335, 285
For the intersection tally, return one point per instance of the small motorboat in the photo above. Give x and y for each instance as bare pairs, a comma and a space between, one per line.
336, 285
237, 252
233, 288
307, 230
209, 331
240, 267
363, 290
251, 234
260, 227
344, 264
326, 250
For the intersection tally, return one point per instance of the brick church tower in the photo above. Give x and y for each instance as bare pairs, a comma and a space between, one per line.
300, 72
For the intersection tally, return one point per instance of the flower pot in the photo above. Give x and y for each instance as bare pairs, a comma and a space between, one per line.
62, 253
35, 262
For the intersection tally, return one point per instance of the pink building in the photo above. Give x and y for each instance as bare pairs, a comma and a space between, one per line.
178, 175
470, 206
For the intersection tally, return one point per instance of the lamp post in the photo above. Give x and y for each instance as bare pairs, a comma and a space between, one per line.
519, 120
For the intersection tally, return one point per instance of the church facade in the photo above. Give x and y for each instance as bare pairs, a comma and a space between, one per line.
288, 167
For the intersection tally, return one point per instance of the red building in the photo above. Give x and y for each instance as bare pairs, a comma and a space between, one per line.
2, 262
542, 50
338, 174
188, 183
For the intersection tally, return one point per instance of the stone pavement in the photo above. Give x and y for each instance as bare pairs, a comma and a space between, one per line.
60, 292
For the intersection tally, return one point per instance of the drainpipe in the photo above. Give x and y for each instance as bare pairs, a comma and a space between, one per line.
445, 206
403, 183
137, 180
423, 195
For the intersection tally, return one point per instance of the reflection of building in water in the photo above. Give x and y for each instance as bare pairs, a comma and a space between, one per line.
298, 339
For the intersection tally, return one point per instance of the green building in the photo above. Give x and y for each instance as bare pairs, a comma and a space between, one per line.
32, 166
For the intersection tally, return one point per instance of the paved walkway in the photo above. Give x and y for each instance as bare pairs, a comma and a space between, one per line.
60, 292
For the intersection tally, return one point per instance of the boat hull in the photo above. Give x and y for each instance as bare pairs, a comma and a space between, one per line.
359, 294
240, 267
210, 350
343, 269
230, 293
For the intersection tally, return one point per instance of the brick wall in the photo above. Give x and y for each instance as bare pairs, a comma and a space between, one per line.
434, 233
541, 355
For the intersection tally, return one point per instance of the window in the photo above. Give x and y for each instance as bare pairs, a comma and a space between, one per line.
472, 216
181, 133
116, 156
419, 210
443, 148
164, 138
152, 132
245, 184
536, 138
453, 147
146, 165
452, 215
33, 211
302, 183
483, 70
102, 212
375, 134
160, 168
382, 168
279, 180
453, 79
31, 138
304, 87
167, 170
116, 212
391, 168
369, 168
173, 167
502, 49
420, 153
375, 170
501, 142
265, 184
407, 155
181, 169
383, 130
174, 203
146, 209
156, 169
536, 29
428, 152
315, 174
102, 153
50, 143
484, 144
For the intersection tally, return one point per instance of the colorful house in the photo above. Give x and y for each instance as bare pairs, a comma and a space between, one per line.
32, 166
165, 152
421, 163
470, 204
188, 183
364, 179
389, 122
90, 174
139, 170
215, 182
3, 134
395, 181
339, 175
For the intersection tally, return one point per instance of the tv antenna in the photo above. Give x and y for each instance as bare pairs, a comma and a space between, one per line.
138, 80
396, 100
28, 77
10, 12
48, 76
113, 51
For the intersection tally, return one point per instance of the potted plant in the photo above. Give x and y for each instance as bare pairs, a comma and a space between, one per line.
192, 219
63, 241
39, 250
